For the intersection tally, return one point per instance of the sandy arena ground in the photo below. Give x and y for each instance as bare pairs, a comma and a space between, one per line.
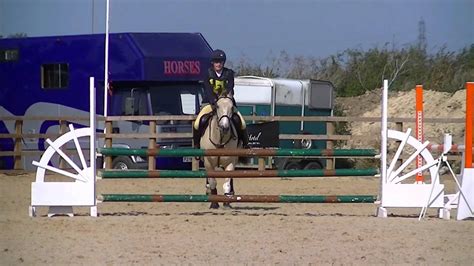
179, 233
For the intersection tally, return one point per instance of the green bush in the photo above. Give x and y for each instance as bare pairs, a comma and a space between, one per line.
355, 71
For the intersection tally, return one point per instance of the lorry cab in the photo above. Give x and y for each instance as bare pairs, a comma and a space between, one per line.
154, 99
288, 97
149, 74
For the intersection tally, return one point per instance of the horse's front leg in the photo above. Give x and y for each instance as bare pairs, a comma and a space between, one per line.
212, 190
211, 184
228, 185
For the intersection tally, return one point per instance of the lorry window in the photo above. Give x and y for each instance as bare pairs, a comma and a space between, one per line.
143, 103
188, 102
54, 76
140, 104
175, 99
165, 101
9, 55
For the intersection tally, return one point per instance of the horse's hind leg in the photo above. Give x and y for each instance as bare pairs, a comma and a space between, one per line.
212, 190
228, 190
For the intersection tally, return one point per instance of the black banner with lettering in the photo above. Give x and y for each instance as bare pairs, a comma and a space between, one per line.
264, 135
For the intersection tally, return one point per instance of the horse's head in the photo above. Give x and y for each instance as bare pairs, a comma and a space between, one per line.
224, 110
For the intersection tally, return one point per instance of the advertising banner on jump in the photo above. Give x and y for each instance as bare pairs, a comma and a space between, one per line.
264, 135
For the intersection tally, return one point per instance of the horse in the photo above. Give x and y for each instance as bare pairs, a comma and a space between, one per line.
220, 133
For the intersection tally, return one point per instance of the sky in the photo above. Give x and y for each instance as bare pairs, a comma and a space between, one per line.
256, 29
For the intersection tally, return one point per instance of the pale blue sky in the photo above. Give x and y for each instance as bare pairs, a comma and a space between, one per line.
256, 27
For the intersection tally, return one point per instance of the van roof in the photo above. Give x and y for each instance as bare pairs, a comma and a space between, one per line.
132, 56
254, 90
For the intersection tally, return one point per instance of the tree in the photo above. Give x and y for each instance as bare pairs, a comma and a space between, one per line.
17, 35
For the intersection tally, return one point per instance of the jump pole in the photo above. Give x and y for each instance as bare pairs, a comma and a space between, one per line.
238, 198
239, 152
440, 148
235, 174
466, 204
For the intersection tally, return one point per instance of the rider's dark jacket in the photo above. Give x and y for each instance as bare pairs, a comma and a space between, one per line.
215, 86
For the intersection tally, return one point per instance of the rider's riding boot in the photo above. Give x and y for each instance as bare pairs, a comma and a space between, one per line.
196, 138
196, 141
244, 136
242, 133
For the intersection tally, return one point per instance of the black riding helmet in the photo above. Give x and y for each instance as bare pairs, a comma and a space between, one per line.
218, 56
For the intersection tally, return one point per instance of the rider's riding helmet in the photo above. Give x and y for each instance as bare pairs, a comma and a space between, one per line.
218, 56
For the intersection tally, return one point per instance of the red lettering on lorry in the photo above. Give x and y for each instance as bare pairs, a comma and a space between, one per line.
178, 67
167, 67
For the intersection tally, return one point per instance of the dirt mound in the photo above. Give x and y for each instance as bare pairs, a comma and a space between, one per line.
402, 104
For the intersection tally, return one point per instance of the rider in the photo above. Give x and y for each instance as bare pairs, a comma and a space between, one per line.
219, 82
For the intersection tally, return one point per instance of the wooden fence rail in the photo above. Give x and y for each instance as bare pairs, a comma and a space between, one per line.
18, 135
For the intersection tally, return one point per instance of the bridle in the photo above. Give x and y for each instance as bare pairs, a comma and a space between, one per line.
233, 134
217, 106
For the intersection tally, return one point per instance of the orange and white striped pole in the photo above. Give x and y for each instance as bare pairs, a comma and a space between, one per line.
469, 136
419, 129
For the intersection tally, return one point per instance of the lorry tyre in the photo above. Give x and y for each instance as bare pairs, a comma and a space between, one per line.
292, 166
313, 165
122, 163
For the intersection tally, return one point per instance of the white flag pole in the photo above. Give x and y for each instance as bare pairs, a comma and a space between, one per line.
106, 65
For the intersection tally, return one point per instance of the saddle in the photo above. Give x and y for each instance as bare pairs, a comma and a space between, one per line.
204, 122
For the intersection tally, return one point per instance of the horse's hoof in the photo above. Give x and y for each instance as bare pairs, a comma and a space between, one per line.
214, 205
226, 205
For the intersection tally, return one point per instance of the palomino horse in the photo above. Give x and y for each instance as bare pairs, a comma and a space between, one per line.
220, 134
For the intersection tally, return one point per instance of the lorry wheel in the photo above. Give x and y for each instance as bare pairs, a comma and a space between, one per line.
292, 166
313, 165
122, 163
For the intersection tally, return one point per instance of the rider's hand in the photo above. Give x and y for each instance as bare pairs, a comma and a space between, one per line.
213, 106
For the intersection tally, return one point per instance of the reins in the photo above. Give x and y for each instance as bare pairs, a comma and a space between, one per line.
232, 134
